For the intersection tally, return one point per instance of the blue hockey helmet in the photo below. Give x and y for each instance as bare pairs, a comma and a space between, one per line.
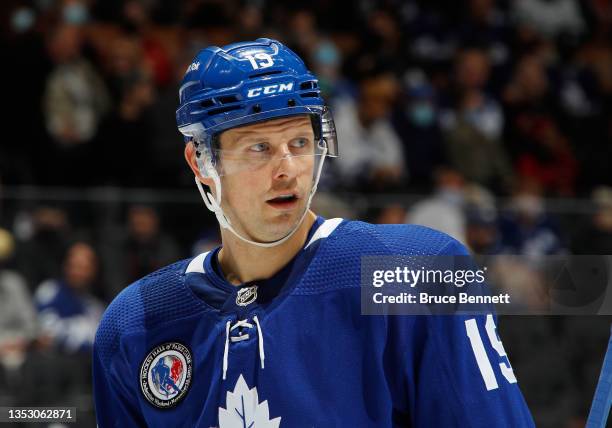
244, 83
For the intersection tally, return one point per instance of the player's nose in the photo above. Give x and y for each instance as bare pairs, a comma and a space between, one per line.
285, 165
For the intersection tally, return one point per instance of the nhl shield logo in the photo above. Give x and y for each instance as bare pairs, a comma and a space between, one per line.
246, 295
165, 374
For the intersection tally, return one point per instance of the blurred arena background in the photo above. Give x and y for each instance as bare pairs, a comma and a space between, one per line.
489, 120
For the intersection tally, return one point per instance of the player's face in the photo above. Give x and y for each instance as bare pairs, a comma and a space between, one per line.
267, 175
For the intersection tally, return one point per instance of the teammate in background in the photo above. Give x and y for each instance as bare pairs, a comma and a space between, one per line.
267, 329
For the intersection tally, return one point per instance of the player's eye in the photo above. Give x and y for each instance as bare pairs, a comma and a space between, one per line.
300, 143
258, 148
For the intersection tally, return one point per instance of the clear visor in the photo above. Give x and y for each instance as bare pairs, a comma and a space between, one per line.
255, 153
301, 154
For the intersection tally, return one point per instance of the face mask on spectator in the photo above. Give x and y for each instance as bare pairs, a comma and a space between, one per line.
76, 13
422, 114
22, 20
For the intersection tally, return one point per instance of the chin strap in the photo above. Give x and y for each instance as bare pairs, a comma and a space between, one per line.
214, 203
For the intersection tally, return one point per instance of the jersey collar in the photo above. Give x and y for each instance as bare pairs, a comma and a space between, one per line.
209, 284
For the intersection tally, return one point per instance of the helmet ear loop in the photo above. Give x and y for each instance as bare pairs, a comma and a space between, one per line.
212, 202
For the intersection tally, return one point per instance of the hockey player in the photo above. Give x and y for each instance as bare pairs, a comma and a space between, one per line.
266, 330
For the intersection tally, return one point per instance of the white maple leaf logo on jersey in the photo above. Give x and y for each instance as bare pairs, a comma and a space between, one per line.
243, 409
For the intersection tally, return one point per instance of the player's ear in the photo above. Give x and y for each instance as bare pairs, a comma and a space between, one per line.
190, 157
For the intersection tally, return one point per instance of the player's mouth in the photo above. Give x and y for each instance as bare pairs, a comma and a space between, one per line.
285, 201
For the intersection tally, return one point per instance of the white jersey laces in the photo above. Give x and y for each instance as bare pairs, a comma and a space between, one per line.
242, 336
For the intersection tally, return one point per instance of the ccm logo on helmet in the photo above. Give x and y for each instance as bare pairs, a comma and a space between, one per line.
270, 89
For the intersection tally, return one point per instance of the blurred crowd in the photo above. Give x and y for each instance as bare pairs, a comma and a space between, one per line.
501, 92
496, 117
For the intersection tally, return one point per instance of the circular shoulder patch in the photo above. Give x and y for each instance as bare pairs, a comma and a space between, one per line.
165, 374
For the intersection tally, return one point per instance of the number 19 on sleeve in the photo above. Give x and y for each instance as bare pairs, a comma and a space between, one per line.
482, 360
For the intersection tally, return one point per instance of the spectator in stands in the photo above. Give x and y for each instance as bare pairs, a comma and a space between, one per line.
445, 209
321, 52
75, 95
143, 248
418, 125
39, 256
432, 44
481, 232
131, 120
326, 60
57, 372
474, 125
526, 228
486, 24
382, 36
67, 312
148, 247
75, 101
374, 159
550, 18
17, 318
136, 20
542, 152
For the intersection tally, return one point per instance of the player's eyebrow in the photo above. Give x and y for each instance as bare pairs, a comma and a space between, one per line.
248, 136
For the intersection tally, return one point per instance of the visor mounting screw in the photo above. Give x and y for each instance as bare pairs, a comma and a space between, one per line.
256, 108
291, 102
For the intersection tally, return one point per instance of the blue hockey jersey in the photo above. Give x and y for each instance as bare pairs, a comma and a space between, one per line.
184, 348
